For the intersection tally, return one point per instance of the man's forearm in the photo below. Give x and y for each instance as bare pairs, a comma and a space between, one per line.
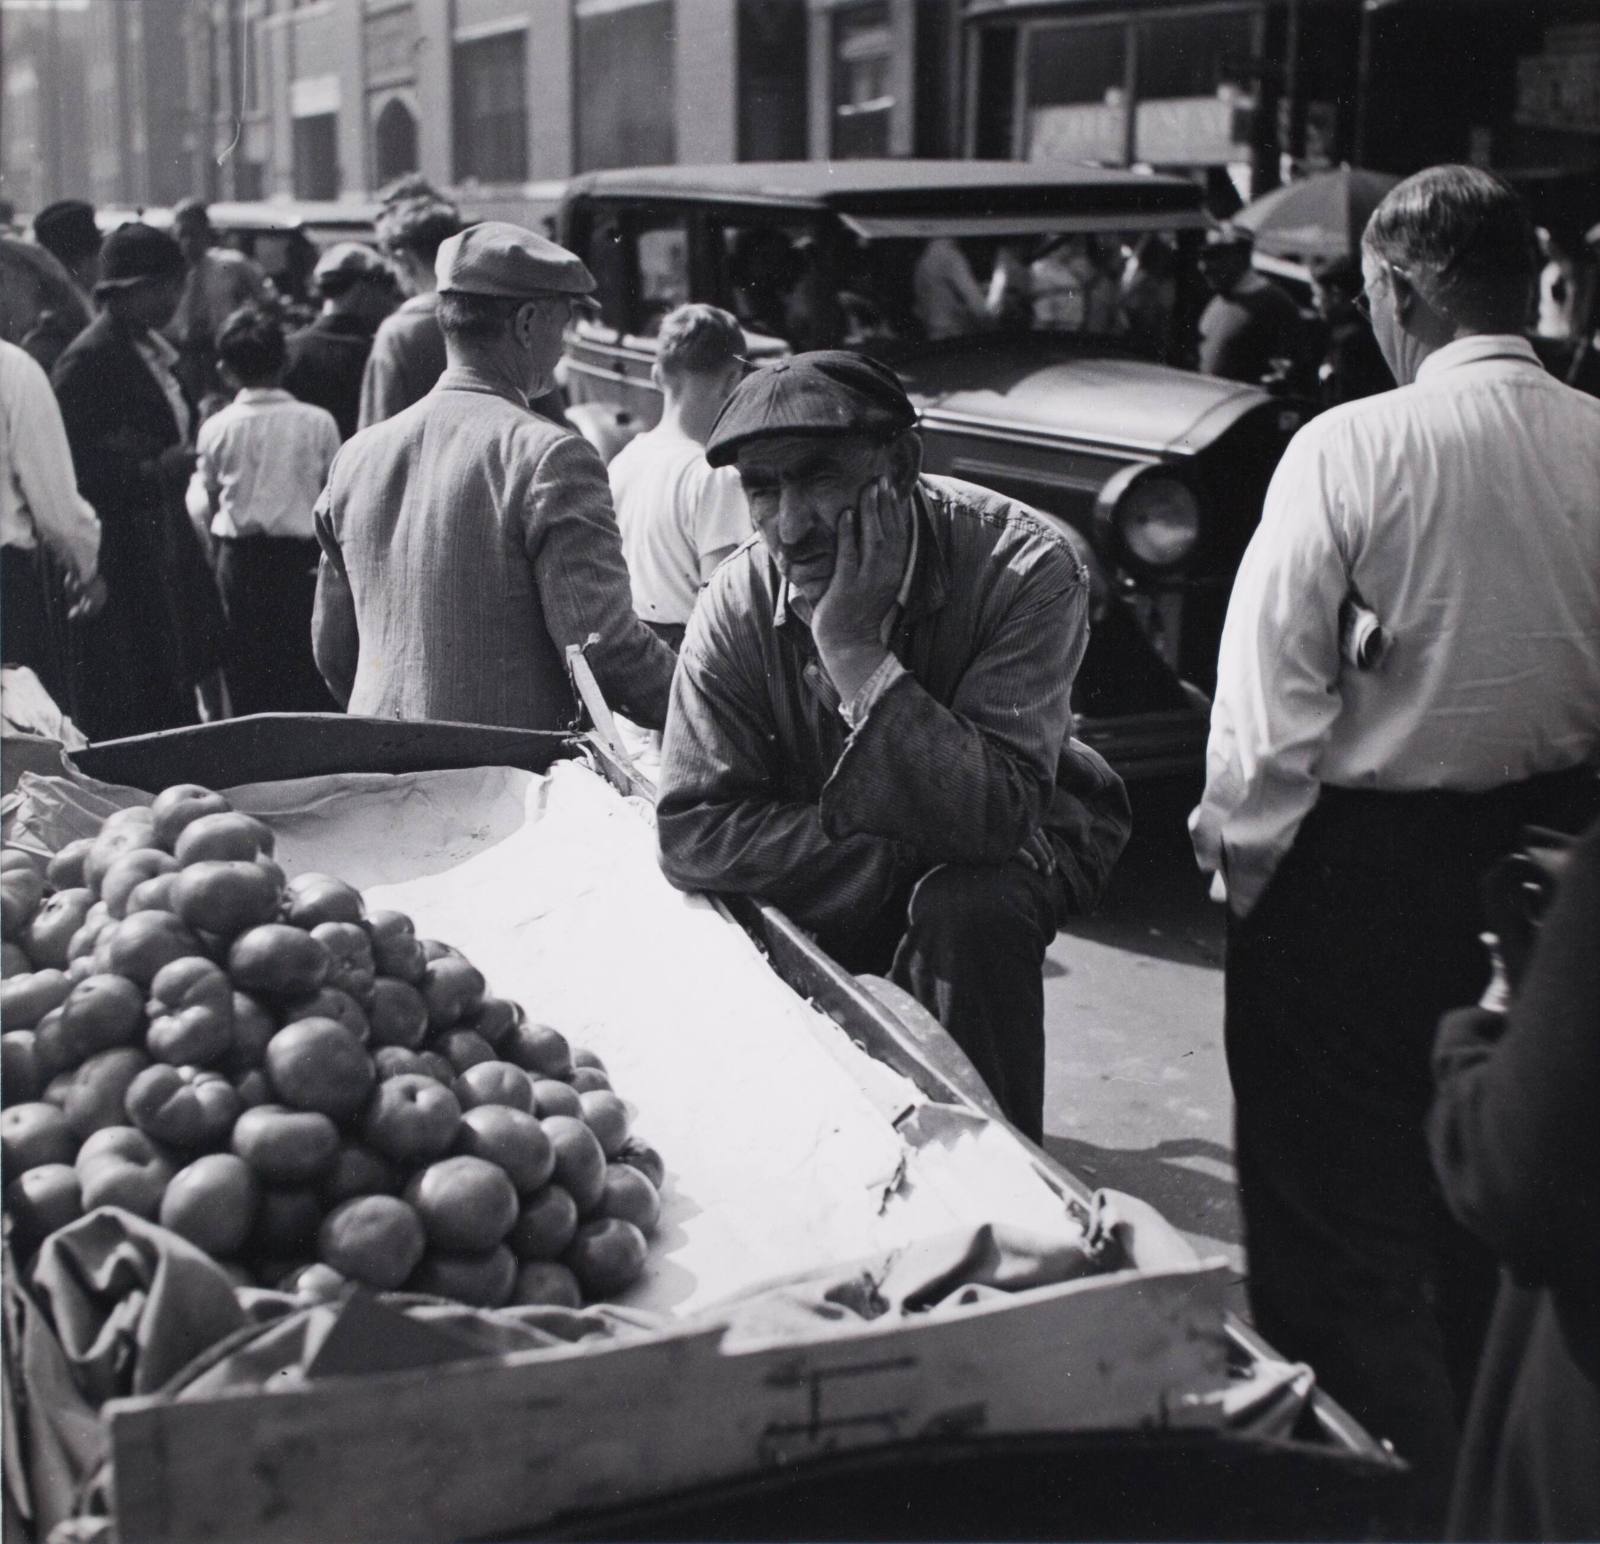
777, 853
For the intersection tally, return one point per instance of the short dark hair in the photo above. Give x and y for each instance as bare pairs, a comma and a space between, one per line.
418, 225
698, 340
1464, 238
251, 344
464, 315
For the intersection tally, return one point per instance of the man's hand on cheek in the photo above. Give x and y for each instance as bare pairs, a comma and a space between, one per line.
872, 541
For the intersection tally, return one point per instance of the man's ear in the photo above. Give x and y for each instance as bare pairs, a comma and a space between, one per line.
905, 461
1405, 293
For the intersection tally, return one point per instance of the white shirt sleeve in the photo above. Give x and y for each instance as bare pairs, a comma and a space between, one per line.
1277, 678
722, 519
41, 462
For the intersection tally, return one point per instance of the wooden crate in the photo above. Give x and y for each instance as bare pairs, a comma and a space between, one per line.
488, 1448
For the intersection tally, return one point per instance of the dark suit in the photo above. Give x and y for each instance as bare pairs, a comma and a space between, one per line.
135, 665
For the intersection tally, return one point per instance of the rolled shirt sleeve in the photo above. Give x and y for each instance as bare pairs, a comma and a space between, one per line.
576, 551
1277, 679
41, 466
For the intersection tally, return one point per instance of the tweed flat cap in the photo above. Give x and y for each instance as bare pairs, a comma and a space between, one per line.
829, 392
496, 258
134, 253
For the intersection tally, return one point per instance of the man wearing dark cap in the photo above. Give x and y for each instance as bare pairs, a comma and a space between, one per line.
870, 722
131, 427
467, 541
328, 358
67, 231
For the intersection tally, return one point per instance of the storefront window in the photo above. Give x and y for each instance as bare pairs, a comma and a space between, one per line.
862, 98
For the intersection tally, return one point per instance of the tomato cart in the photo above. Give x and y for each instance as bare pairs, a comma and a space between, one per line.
811, 1122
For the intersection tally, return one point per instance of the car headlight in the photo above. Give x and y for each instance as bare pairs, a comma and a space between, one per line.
1157, 522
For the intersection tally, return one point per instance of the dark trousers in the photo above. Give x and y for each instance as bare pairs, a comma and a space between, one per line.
24, 628
968, 942
268, 586
1336, 982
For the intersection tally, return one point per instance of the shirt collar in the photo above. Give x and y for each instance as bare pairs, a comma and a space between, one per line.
249, 394
1475, 349
466, 378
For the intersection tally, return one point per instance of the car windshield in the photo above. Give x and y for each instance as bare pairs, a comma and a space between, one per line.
884, 292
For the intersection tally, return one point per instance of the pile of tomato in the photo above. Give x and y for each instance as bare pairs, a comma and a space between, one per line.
299, 1086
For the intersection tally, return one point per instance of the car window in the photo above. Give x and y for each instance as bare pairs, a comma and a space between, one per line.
776, 278
663, 257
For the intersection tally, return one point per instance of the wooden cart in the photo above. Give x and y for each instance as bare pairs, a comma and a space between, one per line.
997, 1425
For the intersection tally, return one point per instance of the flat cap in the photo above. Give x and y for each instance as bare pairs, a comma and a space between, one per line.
355, 258
497, 258
135, 253
829, 392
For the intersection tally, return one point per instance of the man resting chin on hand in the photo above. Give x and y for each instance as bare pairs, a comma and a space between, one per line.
869, 724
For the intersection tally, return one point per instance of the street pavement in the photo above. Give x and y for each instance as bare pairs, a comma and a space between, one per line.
1136, 1086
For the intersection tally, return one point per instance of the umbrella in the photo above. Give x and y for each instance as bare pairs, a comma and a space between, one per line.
1321, 216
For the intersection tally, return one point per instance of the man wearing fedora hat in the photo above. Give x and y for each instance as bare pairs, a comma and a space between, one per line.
467, 541
871, 722
131, 427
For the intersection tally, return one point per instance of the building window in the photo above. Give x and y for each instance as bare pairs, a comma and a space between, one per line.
316, 156
394, 141
251, 34
627, 83
1075, 90
491, 108
863, 102
772, 80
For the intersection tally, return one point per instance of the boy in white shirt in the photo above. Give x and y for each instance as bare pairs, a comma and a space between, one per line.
680, 517
260, 465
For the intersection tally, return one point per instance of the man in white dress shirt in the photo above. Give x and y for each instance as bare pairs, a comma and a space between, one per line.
1350, 809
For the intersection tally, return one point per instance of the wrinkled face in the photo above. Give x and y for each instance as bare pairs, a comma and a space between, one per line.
798, 488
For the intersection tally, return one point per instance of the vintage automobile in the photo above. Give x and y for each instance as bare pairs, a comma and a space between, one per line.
1061, 397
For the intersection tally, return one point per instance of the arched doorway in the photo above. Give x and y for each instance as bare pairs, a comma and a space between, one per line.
395, 141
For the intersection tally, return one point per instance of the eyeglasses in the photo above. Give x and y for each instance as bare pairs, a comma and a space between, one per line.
1363, 304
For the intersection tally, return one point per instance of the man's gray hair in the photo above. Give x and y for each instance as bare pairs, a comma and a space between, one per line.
480, 318
1463, 237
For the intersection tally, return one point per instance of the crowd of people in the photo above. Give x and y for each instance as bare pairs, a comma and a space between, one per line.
862, 676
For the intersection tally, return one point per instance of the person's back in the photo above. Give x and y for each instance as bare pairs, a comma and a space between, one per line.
1486, 567
1243, 332
679, 516
406, 359
455, 629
